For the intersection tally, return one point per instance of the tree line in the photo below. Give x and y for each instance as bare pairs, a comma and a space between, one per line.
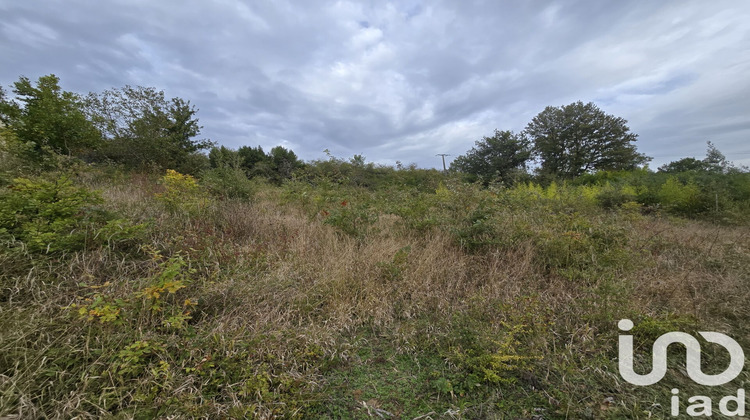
136, 127
140, 128
571, 142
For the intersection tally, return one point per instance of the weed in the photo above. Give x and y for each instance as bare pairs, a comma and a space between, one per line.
354, 219
182, 193
350, 295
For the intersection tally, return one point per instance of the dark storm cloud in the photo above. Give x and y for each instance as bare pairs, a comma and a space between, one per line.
403, 80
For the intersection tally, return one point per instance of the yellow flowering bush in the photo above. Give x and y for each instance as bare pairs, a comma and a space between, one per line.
181, 193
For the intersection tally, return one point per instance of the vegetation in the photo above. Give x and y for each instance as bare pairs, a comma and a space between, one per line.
715, 162
143, 129
567, 141
50, 119
343, 289
502, 157
574, 139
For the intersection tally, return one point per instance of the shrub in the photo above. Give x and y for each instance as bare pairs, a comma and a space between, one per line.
478, 229
156, 303
181, 193
49, 216
488, 355
681, 199
228, 182
13, 156
613, 197
354, 219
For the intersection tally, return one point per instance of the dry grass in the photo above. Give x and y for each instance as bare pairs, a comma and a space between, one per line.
696, 268
282, 295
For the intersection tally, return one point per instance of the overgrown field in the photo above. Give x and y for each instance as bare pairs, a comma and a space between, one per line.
137, 296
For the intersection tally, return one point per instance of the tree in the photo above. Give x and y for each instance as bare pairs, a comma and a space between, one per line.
48, 117
500, 157
277, 165
283, 162
223, 157
4, 109
255, 161
143, 128
574, 139
715, 162
687, 164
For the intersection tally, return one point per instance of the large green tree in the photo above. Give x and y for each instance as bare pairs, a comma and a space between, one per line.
283, 163
574, 139
501, 157
144, 128
255, 161
48, 117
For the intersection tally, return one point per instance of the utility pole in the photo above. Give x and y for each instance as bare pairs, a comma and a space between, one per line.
443, 155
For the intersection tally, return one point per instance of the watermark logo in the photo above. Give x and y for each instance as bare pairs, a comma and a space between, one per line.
699, 405
693, 357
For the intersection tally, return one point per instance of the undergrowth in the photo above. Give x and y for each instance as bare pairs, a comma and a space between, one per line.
128, 296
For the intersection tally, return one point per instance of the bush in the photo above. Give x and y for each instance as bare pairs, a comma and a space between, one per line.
193, 163
612, 197
228, 182
181, 193
354, 219
155, 306
681, 199
24, 159
56, 216
13, 155
478, 230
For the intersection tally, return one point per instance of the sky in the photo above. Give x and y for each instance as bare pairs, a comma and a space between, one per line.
404, 80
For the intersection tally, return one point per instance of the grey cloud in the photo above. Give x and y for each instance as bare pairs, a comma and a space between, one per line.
395, 81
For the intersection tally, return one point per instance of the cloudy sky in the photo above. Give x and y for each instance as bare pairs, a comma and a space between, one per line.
404, 80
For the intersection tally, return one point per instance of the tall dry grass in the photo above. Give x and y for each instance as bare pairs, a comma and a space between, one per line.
289, 298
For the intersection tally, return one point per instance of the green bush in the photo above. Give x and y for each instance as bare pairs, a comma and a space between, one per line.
13, 156
156, 306
49, 216
228, 182
613, 197
182, 194
354, 219
478, 229
681, 199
